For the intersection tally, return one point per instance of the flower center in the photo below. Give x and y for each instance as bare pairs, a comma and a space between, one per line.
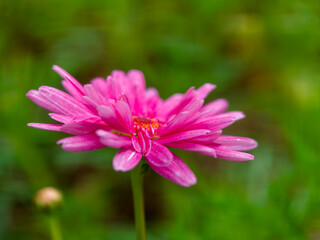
147, 125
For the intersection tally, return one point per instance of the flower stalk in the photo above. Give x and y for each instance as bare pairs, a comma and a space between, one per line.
48, 200
138, 201
54, 227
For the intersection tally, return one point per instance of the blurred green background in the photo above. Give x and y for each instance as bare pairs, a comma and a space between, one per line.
264, 57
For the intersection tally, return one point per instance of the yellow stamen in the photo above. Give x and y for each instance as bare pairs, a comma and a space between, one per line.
145, 123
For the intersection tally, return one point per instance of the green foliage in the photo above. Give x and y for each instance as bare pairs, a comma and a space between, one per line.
264, 57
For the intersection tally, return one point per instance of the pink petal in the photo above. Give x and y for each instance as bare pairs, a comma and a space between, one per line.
113, 140
90, 102
152, 94
81, 143
142, 142
62, 101
73, 90
50, 127
125, 114
119, 82
87, 118
194, 147
145, 143
233, 155
100, 86
65, 75
152, 101
93, 95
172, 125
184, 101
236, 115
60, 118
212, 124
169, 105
126, 159
112, 88
35, 96
188, 114
194, 106
80, 128
136, 79
176, 137
138, 86
216, 107
177, 171
135, 143
236, 143
207, 139
108, 115
148, 146
203, 91
159, 155
218, 126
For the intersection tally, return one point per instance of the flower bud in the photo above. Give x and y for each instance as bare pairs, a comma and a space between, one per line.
48, 198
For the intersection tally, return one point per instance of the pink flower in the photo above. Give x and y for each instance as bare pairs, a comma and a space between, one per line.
120, 112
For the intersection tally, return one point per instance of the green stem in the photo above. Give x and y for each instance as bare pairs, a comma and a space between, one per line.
54, 227
137, 189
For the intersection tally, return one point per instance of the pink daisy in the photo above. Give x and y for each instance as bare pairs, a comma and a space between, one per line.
120, 112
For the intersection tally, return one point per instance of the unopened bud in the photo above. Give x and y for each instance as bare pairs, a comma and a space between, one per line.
48, 198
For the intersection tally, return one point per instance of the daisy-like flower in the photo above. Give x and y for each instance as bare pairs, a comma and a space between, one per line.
119, 112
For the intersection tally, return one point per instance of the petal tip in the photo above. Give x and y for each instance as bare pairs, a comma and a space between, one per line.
248, 157
30, 93
238, 116
119, 169
34, 125
191, 182
254, 144
43, 88
57, 68
210, 86
100, 132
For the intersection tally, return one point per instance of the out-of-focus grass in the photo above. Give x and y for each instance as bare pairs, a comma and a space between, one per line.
264, 57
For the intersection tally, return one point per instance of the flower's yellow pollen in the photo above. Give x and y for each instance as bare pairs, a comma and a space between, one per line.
145, 123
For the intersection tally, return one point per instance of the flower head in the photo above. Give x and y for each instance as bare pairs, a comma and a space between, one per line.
120, 112
48, 197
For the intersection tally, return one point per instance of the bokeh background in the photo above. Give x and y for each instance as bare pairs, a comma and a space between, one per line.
264, 57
